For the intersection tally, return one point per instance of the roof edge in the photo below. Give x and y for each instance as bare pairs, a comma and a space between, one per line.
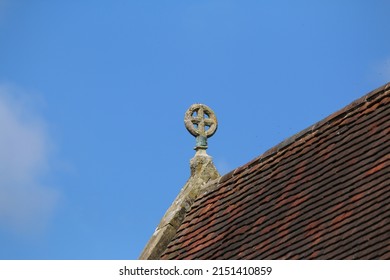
309, 130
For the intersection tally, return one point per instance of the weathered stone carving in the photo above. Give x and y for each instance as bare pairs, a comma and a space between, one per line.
202, 123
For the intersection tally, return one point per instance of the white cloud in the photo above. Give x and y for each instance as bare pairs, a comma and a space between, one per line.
25, 203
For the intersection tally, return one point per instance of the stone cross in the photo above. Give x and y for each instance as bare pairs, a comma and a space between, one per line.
202, 123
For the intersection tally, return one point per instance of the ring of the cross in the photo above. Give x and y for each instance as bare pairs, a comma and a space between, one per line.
200, 120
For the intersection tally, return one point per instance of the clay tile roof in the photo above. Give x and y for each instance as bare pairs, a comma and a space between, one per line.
322, 194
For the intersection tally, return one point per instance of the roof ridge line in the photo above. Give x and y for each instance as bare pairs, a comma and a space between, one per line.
355, 105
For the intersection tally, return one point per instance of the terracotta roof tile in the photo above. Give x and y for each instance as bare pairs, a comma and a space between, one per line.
322, 194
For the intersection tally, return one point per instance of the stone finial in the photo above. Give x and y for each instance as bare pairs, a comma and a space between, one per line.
202, 123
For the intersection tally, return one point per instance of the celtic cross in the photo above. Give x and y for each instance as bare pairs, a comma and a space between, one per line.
201, 122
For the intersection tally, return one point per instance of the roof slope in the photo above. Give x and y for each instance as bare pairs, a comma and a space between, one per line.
322, 194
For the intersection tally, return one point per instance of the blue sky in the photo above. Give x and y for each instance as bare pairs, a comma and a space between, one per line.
93, 147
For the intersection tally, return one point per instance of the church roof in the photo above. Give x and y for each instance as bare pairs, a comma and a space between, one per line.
322, 194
